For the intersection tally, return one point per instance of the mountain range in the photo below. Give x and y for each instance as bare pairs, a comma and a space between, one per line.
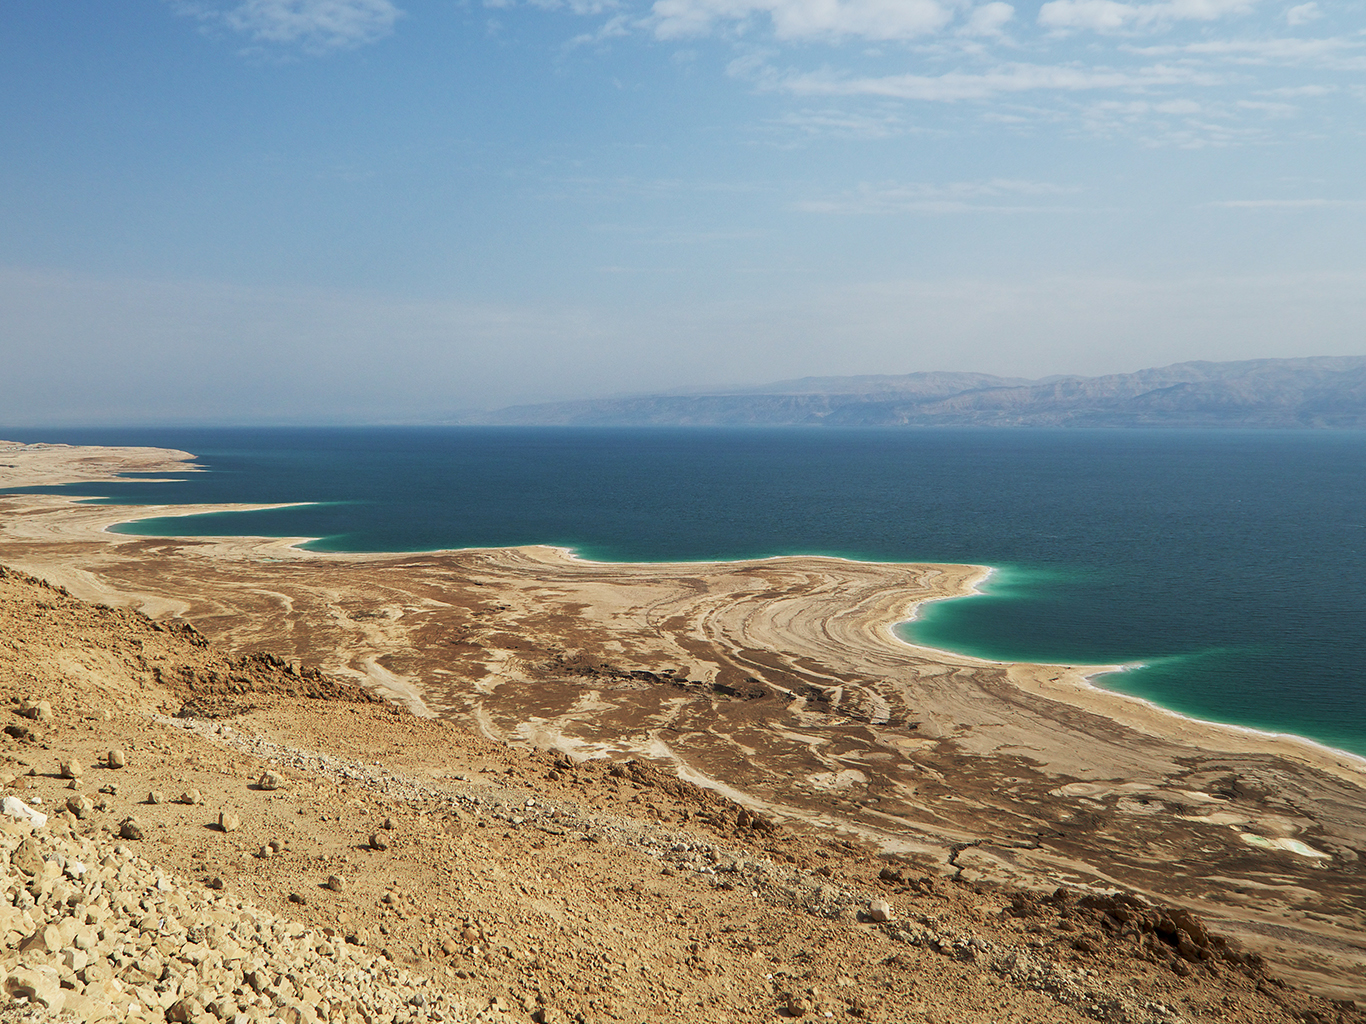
1318, 392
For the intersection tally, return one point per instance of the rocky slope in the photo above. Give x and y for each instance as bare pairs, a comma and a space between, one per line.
239, 839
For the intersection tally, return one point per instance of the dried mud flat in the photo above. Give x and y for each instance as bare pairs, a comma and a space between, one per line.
777, 684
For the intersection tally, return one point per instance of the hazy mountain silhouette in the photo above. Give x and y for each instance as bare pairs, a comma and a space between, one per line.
1322, 392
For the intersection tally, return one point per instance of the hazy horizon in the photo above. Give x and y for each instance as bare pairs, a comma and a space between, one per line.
385, 211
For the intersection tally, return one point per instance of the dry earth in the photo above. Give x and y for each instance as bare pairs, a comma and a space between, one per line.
526, 886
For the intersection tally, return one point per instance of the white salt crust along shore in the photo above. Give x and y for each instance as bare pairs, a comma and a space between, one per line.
1071, 684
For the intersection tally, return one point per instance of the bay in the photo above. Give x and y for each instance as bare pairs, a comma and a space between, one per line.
1229, 563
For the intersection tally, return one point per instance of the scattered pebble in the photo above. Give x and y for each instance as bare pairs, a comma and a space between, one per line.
153, 948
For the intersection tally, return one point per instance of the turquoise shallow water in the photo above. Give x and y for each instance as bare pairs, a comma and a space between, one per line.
1231, 564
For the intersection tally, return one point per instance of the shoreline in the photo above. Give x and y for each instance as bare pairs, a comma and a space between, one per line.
1089, 672
90, 468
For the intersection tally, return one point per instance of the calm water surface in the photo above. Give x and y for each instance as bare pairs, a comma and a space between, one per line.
1232, 564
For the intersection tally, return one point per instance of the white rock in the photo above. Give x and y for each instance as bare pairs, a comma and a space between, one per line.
16, 808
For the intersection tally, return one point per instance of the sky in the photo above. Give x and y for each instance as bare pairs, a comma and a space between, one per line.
394, 211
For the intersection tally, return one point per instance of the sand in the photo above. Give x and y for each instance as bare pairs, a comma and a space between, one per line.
781, 684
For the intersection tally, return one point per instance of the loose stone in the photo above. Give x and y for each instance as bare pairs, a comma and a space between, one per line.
38, 711
27, 857
79, 805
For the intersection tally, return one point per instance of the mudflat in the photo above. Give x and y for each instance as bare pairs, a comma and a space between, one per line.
779, 685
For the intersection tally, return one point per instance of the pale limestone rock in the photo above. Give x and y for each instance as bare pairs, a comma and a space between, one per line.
879, 910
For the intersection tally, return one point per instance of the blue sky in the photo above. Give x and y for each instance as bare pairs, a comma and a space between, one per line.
393, 210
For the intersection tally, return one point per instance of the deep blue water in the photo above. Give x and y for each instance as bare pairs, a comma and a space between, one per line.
1232, 563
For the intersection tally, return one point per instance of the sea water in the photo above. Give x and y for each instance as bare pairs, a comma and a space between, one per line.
1230, 565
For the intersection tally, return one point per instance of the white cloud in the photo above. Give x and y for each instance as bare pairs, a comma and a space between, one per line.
989, 19
1114, 16
316, 25
1014, 78
1302, 14
803, 19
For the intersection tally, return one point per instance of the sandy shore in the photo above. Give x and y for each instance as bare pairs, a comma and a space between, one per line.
782, 683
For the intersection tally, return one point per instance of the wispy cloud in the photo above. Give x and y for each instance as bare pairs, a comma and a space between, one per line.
847, 124
961, 85
998, 195
1291, 204
802, 19
316, 26
1113, 16
1331, 53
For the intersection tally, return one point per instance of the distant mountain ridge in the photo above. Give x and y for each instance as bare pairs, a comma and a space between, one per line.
1319, 392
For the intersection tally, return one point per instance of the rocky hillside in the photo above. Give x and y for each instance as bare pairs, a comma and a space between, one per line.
1327, 392
191, 837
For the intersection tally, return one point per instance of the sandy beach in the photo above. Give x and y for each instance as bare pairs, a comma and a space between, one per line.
781, 684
